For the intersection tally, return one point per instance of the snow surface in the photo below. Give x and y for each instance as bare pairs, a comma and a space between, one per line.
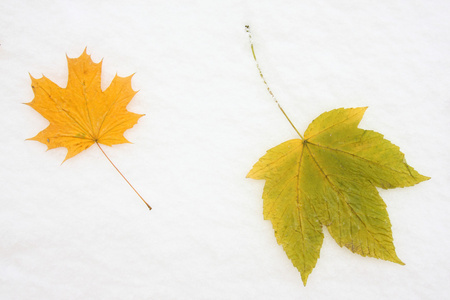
77, 231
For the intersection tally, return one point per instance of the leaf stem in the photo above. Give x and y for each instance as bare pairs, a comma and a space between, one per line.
149, 207
247, 27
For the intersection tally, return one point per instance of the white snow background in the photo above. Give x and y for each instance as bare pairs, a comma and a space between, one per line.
77, 230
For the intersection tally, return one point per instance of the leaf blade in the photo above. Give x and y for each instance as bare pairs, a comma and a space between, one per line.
330, 179
82, 114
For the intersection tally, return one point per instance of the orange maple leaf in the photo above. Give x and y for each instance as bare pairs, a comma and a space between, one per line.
81, 114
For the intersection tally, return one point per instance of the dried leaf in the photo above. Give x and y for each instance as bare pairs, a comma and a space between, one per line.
82, 114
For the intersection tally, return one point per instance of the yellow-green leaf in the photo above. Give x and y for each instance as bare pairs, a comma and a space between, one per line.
329, 179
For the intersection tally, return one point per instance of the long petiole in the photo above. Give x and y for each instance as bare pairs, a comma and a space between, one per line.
149, 207
247, 27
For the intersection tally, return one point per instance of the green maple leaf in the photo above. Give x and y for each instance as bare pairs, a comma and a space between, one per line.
330, 178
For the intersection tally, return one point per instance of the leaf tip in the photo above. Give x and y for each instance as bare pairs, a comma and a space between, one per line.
361, 109
250, 174
85, 52
304, 278
398, 261
425, 178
